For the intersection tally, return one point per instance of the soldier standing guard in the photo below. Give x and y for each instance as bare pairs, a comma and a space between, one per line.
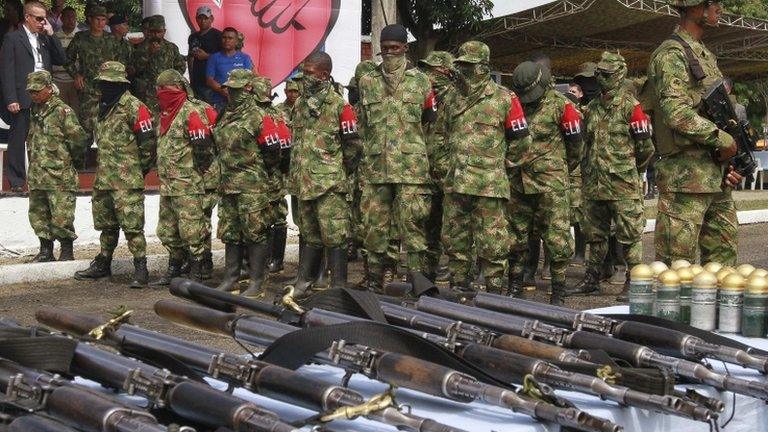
618, 149
184, 155
56, 143
126, 140
480, 119
539, 167
696, 208
396, 195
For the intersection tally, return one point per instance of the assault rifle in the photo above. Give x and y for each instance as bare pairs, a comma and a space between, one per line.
635, 354
657, 337
390, 367
37, 423
718, 108
258, 376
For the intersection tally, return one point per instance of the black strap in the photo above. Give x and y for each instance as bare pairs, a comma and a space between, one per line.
299, 347
31, 347
159, 359
350, 302
694, 66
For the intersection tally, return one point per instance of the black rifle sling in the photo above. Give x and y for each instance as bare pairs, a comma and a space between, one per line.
694, 66
297, 348
687, 329
159, 360
50, 353
347, 301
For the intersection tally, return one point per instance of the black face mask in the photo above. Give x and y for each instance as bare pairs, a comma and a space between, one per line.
110, 94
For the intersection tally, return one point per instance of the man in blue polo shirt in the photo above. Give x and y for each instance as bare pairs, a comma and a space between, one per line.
221, 63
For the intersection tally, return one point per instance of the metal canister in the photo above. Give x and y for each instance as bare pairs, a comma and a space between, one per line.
713, 267
658, 268
745, 270
755, 311
686, 291
763, 273
678, 264
731, 302
696, 269
703, 301
641, 295
668, 296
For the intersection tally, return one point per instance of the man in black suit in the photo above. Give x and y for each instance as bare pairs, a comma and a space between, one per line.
28, 49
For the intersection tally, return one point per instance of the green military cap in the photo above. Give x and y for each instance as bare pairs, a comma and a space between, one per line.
291, 84
262, 88
473, 52
239, 78
171, 77
587, 70
438, 59
611, 62
685, 3
112, 71
39, 80
157, 22
530, 80
97, 10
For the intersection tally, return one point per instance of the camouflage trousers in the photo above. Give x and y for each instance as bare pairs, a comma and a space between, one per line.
475, 223
244, 218
689, 220
578, 211
395, 216
357, 227
120, 209
548, 215
434, 230
628, 218
210, 200
325, 220
280, 211
52, 214
89, 108
181, 226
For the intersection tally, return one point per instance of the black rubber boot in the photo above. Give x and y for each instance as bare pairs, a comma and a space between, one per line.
558, 292
515, 284
302, 248
374, 279
588, 285
580, 248
195, 269
532, 263
100, 267
46, 252
277, 248
206, 265
140, 273
337, 261
323, 280
233, 261
67, 252
607, 269
309, 269
618, 277
623, 296
258, 255
173, 271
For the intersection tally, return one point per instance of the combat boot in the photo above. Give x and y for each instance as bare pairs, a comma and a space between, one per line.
619, 276
558, 292
46, 252
309, 269
580, 246
100, 267
233, 260
67, 252
173, 271
515, 284
323, 280
195, 269
623, 296
337, 261
588, 285
258, 254
140, 273
277, 248
206, 265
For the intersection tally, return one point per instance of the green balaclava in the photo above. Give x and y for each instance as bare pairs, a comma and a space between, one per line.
611, 72
472, 66
236, 82
438, 59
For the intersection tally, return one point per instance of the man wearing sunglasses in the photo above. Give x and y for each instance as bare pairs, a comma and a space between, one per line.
29, 49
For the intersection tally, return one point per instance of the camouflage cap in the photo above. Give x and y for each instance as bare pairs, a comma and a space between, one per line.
170, 77
438, 59
611, 62
156, 22
684, 3
238, 78
112, 71
587, 70
39, 80
291, 84
262, 88
473, 52
530, 80
97, 10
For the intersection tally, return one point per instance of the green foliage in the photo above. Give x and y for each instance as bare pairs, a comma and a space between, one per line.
750, 8
131, 9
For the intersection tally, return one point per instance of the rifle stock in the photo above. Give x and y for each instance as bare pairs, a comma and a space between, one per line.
196, 317
36, 423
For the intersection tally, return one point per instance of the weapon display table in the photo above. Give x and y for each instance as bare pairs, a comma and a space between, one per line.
751, 414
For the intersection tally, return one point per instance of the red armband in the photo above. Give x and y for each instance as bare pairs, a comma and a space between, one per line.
348, 123
198, 130
429, 108
515, 125
143, 123
286, 138
269, 138
212, 115
571, 125
639, 124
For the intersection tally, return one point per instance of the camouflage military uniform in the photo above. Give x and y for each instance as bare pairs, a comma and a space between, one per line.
694, 209
124, 52
396, 193
614, 159
56, 143
476, 185
148, 65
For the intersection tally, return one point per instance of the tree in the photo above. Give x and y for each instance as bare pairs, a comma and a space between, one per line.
749, 8
440, 22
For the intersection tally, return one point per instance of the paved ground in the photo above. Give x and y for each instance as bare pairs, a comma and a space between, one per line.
20, 301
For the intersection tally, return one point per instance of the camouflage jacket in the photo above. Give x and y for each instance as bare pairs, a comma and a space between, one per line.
541, 161
147, 66
86, 53
319, 155
56, 142
438, 151
124, 52
478, 147
277, 179
241, 163
613, 160
394, 150
286, 111
685, 140
176, 164
126, 142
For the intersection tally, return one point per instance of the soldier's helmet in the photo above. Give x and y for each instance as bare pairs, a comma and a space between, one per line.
112, 71
96, 10
611, 62
173, 77
262, 88
473, 52
239, 78
39, 80
684, 3
438, 59
530, 80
